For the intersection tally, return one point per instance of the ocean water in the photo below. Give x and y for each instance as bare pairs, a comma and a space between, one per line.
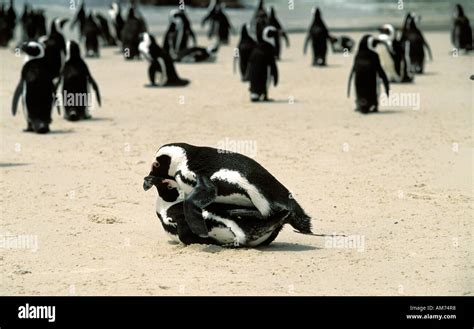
295, 15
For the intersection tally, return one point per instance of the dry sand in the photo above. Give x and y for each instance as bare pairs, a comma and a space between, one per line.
399, 183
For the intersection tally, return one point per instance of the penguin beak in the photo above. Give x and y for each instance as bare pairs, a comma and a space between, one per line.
150, 181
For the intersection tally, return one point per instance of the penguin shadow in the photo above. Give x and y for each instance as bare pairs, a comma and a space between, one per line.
61, 132
327, 66
12, 164
429, 73
99, 119
164, 87
384, 112
286, 246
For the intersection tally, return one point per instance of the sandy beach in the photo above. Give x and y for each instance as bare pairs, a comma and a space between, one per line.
398, 184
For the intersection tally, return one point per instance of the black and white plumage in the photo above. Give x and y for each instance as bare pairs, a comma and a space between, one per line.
259, 20
115, 13
55, 46
179, 34
79, 19
219, 23
160, 62
7, 23
35, 89
227, 225
461, 33
340, 44
206, 176
198, 54
367, 69
394, 57
262, 67
91, 32
104, 28
245, 47
273, 21
33, 23
130, 34
416, 43
75, 83
318, 35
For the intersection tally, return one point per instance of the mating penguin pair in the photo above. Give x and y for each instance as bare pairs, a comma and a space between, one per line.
367, 69
211, 177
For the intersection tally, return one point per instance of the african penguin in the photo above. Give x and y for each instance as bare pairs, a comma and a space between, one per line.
245, 47
91, 33
461, 33
198, 54
115, 13
227, 225
35, 89
74, 85
206, 176
341, 43
273, 21
259, 20
130, 34
318, 35
104, 30
219, 23
413, 39
33, 23
367, 69
80, 19
55, 46
179, 33
160, 62
7, 24
262, 67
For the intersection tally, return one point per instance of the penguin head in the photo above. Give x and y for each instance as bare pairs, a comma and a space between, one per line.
459, 12
73, 50
317, 13
167, 189
368, 42
269, 35
388, 30
32, 49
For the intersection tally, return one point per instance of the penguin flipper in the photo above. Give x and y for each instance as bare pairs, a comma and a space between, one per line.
16, 97
96, 89
349, 83
287, 40
382, 75
306, 43
203, 194
274, 70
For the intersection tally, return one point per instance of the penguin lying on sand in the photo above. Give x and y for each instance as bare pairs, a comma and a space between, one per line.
160, 62
224, 226
341, 43
198, 54
206, 175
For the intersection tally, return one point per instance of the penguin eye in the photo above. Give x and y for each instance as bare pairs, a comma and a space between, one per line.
156, 164
170, 187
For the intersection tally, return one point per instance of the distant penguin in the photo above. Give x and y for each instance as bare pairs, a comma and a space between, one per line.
342, 43
367, 69
461, 33
130, 34
414, 43
55, 46
7, 24
115, 13
206, 176
394, 58
262, 67
91, 33
79, 19
75, 83
219, 23
179, 33
198, 54
33, 23
318, 35
225, 228
245, 47
103, 25
160, 62
273, 21
259, 20
35, 89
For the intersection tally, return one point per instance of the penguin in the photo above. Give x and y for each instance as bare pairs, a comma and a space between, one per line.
461, 33
75, 80
245, 47
259, 20
366, 69
80, 19
104, 29
318, 35
33, 23
115, 13
341, 44
414, 43
130, 34
262, 67
178, 34
394, 58
198, 54
7, 24
273, 21
55, 46
219, 23
160, 61
35, 89
206, 175
91, 32
224, 227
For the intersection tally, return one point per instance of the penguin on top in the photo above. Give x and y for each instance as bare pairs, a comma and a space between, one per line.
219, 23
367, 69
461, 33
179, 33
415, 44
318, 35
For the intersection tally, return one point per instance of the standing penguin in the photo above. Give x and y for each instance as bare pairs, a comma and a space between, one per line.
367, 68
160, 62
262, 67
273, 21
130, 34
461, 33
74, 84
92, 32
55, 47
115, 13
179, 33
104, 30
394, 58
414, 43
225, 228
35, 89
206, 176
245, 47
79, 19
219, 23
259, 20
318, 34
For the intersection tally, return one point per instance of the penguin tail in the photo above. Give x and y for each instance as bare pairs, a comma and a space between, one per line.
299, 220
